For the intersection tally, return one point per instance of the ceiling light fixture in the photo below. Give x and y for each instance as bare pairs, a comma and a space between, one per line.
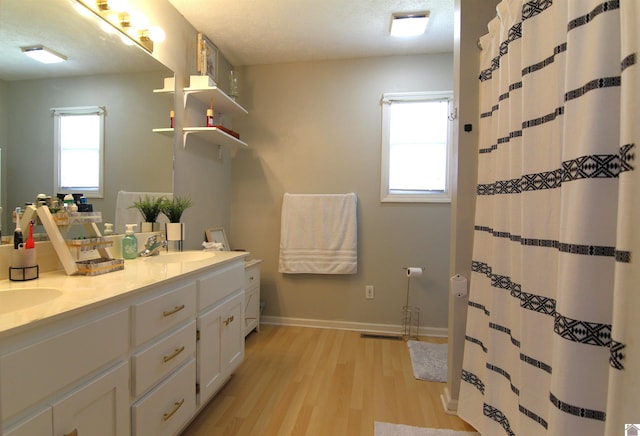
43, 54
409, 24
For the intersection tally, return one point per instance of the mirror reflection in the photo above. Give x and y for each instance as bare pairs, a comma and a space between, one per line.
100, 70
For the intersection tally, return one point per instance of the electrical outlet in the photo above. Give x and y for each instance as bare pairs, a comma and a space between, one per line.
369, 292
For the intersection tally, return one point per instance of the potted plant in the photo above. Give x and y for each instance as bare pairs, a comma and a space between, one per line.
173, 210
149, 207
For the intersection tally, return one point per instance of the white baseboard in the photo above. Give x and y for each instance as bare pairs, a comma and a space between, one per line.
449, 404
349, 325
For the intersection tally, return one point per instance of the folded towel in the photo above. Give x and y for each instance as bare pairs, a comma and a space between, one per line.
127, 215
319, 234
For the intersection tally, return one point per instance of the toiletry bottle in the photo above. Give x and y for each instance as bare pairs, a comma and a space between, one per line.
209, 117
172, 119
108, 229
67, 202
129, 243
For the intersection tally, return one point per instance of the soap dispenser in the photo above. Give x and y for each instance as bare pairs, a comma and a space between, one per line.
129, 243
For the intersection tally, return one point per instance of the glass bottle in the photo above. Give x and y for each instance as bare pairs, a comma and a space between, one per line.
233, 84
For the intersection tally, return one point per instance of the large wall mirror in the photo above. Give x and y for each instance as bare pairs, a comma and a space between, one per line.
100, 71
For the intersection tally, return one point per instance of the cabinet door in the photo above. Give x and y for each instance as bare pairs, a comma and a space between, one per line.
251, 310
101, 407
209, 362
232, 346
221, 344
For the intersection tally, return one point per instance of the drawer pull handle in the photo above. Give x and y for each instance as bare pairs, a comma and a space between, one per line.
73, 433
229, 320
251, 278
174, 354
169, 414
172, 311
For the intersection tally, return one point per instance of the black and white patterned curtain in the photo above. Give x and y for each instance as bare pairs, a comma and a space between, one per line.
554, 301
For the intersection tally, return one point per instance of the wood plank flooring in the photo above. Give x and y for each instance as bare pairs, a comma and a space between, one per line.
317, 382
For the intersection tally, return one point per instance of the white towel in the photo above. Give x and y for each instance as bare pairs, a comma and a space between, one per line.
319, 234
127, 215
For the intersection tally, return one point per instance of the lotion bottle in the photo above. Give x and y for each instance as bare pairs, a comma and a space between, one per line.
130, 243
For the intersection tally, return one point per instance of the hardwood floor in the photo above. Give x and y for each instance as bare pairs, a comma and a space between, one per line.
306, 381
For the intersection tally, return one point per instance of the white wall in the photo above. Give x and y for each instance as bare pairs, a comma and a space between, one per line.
315, 128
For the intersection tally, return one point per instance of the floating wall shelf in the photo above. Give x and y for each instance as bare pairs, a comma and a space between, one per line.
222, 104
213, 135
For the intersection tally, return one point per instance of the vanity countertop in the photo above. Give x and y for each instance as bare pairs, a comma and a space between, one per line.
54, 293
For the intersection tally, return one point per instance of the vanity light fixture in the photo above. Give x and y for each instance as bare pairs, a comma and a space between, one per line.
43, 54
130, 24
111, 5
409, 24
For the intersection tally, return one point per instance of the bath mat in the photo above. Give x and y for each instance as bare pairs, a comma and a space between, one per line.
429, 360
386, 429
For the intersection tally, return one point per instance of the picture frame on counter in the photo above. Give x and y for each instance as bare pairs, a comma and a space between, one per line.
207, 58
219, 236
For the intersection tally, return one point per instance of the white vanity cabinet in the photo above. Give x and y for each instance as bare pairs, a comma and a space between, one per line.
69, 377
131, 365
221, 340
252, 296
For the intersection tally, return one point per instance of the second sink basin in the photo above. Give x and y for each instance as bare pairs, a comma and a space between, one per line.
12, 300
185, 256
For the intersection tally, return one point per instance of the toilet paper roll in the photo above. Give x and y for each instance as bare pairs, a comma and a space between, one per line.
459, 286
414, 271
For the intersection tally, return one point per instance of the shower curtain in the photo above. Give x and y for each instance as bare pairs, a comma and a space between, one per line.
554, 297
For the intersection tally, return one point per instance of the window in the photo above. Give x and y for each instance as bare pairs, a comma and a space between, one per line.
416, 149
79, 142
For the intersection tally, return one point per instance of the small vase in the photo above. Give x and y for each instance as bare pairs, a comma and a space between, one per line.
175, 235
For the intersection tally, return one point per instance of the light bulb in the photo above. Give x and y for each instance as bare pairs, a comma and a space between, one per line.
156, 34
138, 20
118, 5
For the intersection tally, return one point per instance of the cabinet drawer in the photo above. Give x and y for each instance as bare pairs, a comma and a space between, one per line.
161, 312
220, 284
32, 373
252, 277
158, 360
165, 409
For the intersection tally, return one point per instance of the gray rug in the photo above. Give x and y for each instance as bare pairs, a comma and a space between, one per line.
386, 429
429, 360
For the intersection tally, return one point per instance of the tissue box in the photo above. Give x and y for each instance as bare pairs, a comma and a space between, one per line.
201, 82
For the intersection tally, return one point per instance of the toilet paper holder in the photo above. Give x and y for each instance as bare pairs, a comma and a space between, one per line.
411, 314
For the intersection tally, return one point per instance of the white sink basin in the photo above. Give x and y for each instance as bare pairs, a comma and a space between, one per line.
185, 256
12, 300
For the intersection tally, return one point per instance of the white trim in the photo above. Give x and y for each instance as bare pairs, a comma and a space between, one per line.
78, 110
441, 332
386, 195
449, 405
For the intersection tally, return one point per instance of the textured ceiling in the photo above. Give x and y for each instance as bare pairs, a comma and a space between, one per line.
248, 32
251, 32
